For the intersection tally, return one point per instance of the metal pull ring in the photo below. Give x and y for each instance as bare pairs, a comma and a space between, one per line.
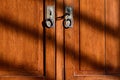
68, 18
49, 23
67, 23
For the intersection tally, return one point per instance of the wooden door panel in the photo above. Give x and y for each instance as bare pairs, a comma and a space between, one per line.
92, 41
96, 41
113, 36
89, 41
21, 41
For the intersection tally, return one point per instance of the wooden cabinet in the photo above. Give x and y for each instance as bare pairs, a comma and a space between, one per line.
87, 51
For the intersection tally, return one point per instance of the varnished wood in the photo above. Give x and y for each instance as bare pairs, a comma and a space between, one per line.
59, 41
88, 51
50, 47
88, 43
112, 42
69, 37
92, 41
39, 11
21, 39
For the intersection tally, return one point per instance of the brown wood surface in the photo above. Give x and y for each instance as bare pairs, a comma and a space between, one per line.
92, 40
59, 41
40, 36
113, 36
31, 51
21, 48
87, 41
50, 47
69, 37
98, 42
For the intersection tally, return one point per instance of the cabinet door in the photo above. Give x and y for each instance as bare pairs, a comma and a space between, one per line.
92, 45
21, 40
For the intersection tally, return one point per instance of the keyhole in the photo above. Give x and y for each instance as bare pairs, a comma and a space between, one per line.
50, 12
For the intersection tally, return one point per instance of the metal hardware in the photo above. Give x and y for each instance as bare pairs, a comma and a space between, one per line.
68, 21
50, 16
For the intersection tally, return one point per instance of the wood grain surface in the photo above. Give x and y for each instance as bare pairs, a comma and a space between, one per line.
50, 47
87, 51
21, 48
59, 41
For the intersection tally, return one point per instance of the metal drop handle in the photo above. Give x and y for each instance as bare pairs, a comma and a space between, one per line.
49, 23
67, 23
50, 16
68, 19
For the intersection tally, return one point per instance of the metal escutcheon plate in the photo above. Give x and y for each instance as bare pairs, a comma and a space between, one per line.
50, 15
69, 10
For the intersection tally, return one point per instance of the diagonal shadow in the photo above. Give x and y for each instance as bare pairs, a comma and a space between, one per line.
19, 27
22, 70
97, 25
100, 26
93, 22
14, 25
